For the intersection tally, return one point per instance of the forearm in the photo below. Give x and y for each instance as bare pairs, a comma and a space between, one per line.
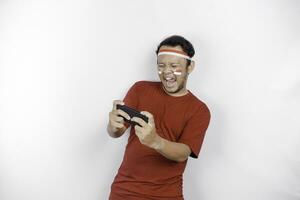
172, 150
114, 132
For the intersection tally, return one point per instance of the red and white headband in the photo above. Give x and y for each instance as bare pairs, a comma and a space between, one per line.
174, 52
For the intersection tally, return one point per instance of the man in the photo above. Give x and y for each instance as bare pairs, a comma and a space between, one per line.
157, 151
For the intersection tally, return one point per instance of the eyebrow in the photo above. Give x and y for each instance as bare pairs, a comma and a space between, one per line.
170, 63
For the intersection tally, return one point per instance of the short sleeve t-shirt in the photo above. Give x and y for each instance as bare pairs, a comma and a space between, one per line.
145, 173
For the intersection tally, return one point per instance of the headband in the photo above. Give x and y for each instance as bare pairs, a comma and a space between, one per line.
174, 52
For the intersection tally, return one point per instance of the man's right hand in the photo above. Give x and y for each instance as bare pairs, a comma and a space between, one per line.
116, 121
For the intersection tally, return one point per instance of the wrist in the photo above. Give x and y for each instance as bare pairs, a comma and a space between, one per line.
158, 144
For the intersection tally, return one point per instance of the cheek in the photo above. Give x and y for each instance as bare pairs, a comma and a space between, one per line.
178, 72
181, 79
160, 75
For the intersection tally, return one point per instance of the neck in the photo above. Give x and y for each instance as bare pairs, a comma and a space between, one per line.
180, 93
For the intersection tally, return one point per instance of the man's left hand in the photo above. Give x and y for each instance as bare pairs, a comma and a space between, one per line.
147, 132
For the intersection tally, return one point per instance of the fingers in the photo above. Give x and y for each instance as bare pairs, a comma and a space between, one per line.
117, 124
139, 121
115, 102
150, 117
118, 111
121, 113
138, 131
116, 116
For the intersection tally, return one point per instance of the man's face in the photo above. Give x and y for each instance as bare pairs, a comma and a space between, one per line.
173, 83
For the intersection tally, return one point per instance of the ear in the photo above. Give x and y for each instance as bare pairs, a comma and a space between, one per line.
191, 67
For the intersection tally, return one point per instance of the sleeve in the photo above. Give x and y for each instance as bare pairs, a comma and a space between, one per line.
195, 129
131, 99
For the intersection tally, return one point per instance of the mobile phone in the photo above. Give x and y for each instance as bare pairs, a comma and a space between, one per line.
132, 113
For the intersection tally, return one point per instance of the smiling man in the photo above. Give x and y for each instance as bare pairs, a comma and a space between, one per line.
157, 152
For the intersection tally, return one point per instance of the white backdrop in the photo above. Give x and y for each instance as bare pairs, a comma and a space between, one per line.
62, 63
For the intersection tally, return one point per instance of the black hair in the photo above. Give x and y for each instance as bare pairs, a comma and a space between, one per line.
177, 40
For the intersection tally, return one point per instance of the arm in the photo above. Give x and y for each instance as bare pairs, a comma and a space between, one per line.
148, 136
172, 150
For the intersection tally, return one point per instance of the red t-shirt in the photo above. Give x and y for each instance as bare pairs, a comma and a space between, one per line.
145, 173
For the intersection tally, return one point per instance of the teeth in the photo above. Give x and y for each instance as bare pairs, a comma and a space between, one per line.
168, 78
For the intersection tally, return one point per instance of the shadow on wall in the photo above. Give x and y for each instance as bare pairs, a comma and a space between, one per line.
212, 151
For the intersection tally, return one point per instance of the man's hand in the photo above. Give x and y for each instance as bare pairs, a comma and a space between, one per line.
147, 132
116, 125
148, 136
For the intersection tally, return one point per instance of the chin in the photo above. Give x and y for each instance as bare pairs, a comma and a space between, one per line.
171, 90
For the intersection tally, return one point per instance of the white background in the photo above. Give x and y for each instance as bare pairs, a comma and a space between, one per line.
62, 63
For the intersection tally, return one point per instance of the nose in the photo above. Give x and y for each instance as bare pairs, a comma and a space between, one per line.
168, 70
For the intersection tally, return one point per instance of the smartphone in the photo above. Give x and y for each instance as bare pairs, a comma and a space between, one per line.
132, 113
